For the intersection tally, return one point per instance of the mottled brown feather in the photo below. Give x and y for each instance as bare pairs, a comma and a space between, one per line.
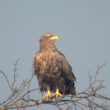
52, 69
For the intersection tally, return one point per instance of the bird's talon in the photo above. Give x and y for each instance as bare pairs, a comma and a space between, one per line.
57, 94
47, 96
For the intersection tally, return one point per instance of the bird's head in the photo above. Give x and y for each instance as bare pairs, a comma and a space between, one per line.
49, 37
47, 40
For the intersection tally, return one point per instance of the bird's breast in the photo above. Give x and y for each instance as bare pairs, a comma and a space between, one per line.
48, 63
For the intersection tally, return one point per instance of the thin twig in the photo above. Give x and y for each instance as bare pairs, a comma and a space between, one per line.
15, 70
7, 80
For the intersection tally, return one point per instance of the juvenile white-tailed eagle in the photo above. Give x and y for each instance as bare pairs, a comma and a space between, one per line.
52, 69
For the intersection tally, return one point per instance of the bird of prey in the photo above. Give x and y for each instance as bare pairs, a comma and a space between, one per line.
52, 69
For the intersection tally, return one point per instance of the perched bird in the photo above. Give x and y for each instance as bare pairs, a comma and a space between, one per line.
53, 71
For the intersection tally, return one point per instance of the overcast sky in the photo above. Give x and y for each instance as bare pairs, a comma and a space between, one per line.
82, 25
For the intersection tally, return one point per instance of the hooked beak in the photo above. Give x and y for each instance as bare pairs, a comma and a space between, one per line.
55, 38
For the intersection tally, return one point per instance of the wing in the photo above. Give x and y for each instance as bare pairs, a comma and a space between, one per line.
35, 65
66, 68
67, 74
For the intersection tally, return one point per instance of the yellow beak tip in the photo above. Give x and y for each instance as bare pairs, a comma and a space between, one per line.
55, 38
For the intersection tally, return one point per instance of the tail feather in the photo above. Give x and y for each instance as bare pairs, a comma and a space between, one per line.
73, 91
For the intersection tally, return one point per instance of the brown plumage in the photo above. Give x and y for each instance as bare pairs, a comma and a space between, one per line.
51, 67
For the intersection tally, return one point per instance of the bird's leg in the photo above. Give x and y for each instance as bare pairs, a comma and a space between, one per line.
57, 93
47, 95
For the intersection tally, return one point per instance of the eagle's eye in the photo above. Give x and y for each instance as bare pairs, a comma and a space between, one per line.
50, 36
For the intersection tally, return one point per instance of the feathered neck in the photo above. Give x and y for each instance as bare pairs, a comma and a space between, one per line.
44, 46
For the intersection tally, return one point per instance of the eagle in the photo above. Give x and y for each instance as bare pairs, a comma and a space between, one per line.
53, 71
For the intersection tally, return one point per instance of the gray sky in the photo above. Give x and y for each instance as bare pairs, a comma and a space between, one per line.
82, 25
